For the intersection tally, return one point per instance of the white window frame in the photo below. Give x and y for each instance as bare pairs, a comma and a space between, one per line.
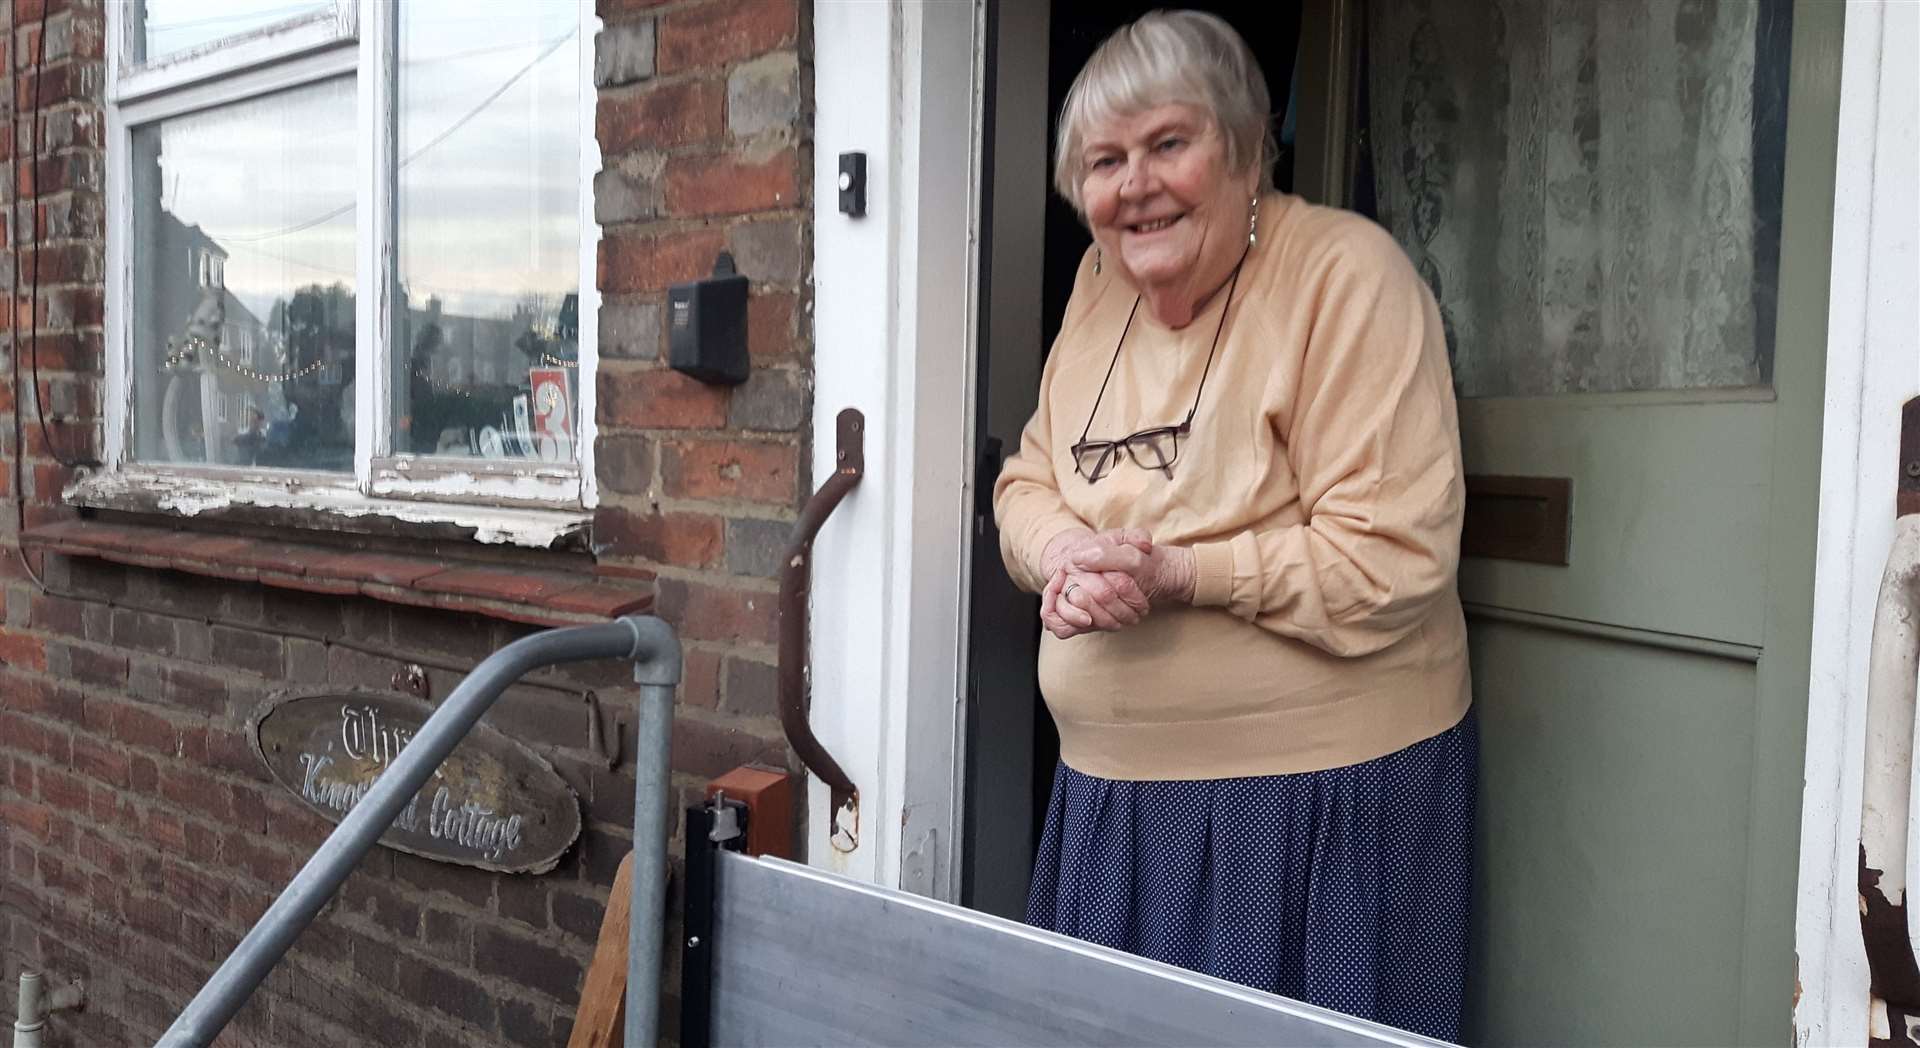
519, 502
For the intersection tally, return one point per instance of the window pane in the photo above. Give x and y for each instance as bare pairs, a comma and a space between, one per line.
1592, 189
168, 27
243, 283
489, 231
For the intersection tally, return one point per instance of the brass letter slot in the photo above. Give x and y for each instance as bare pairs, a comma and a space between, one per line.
1518, 518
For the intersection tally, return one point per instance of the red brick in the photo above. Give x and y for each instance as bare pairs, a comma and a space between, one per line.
187, 886
770, 326
36, 819
692, 540
42, 699
112, 807
731, 469
700, 678
26, 652
704, 612
601, 599
29, 736
68, 439
727, 185
527, 962
107, 668
164, 829
248, 803
193, 690
287, 558
497, 584
58, 614
251, 852
659, 399
142, 631
102, 852
68, 351
261, 653
68, 793
710, 750
714, 34
373, 567
69, 263
661, 116
140, 727
195, 791
653, 263
100, 761
230, 751
305, 584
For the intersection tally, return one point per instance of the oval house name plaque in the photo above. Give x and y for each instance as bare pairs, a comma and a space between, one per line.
493, 803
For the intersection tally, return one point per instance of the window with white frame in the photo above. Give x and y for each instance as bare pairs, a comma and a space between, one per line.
386, 213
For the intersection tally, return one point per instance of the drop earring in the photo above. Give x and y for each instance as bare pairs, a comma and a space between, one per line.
1096, 261
1253, 222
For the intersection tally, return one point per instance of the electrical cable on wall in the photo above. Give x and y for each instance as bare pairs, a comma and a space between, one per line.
33, 216
33, 311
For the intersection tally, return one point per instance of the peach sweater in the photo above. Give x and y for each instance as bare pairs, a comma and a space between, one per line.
1320, 491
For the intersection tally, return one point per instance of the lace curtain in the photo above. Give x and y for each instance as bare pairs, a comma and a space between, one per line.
1591, 188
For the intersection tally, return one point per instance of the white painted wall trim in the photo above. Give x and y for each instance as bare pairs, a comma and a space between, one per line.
893, 335
1871, 370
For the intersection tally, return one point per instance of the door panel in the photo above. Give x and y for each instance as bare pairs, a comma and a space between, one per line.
1667, 504
1614, 796
1623, 211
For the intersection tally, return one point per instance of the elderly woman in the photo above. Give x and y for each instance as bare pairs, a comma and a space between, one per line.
1240, 501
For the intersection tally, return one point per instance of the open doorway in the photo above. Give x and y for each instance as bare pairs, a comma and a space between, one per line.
1623, 211
1033, 244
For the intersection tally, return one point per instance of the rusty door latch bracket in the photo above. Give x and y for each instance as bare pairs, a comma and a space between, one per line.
796, 573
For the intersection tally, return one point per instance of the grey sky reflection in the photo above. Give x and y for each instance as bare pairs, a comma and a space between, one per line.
488, 213
172, 26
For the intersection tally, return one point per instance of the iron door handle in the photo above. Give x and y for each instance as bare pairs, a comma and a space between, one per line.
796, 572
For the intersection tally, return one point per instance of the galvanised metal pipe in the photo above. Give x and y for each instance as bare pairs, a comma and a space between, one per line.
646, 640
653, 743
28, 1017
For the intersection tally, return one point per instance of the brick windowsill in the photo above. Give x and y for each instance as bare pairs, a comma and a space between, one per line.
542, 598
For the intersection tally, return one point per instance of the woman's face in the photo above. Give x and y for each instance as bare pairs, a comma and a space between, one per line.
1159, 197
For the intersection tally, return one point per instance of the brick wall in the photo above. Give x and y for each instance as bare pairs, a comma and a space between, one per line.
139, 837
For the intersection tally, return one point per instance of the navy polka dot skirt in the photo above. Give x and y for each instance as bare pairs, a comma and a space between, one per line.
1346, 888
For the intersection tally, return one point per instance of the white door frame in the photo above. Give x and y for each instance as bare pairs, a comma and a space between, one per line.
1871, 369
894, 318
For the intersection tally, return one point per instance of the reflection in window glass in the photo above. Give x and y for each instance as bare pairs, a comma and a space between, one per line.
1592, 189
243, 283
168, 27
486, 345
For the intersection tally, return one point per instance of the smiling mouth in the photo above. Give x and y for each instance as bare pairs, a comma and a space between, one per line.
1154, 226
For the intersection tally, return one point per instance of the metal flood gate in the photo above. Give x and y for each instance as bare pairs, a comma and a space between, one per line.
779, 954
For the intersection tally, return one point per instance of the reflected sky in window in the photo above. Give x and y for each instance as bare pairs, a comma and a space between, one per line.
489, 141
169, 27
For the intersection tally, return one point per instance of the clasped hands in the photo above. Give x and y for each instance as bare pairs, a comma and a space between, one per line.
1109, 580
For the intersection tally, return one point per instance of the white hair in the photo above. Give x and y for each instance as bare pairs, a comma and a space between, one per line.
1188, 57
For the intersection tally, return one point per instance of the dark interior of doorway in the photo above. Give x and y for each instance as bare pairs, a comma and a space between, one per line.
1007, 642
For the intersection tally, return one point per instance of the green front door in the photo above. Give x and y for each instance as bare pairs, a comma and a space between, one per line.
1624, 208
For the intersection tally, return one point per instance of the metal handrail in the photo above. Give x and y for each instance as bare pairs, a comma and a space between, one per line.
796, 573
1893, 678
648, 642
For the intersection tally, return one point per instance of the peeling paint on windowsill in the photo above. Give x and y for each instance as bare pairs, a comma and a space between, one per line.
198, 496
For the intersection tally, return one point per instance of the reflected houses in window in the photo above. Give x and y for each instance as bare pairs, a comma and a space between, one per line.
241, 288
232, 389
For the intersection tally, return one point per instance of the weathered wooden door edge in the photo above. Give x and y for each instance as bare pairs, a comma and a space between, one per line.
1871, 367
